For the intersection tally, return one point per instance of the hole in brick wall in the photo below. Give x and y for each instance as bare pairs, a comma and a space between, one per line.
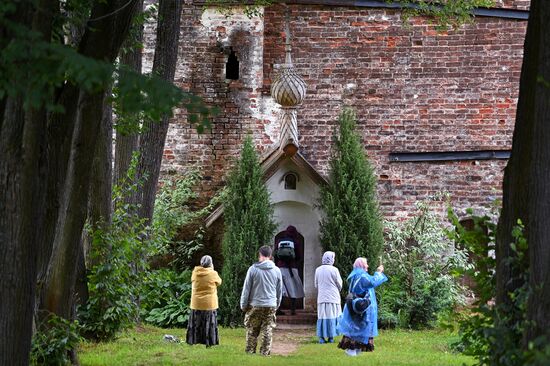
232, 66
384, 176
468, 224
418, 43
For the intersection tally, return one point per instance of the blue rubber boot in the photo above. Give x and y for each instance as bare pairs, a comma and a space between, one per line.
331, 340
322, 340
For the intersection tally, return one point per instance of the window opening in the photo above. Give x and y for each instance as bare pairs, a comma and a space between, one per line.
232, 66
290, 181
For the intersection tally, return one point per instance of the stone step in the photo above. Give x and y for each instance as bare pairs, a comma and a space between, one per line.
301, 318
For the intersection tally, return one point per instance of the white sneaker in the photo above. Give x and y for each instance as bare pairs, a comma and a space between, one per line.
351, 352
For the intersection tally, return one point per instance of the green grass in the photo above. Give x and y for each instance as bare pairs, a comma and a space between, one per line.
145, 346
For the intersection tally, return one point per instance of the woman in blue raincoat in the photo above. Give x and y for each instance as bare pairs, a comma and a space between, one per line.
359, 325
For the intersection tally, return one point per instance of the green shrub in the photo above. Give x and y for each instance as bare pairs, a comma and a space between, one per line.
118, 257
248, 226
352, 225
494, 332
184, 251
166, 296
421, 264
52, 343
173, 211
121, 287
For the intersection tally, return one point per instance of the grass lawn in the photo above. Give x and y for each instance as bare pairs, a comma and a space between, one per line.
145, 346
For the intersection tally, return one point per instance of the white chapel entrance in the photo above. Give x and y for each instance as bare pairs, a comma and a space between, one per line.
295, 205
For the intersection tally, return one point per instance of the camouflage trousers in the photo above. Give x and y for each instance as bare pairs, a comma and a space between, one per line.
259, 321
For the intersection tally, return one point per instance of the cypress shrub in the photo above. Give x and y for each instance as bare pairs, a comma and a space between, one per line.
352, 226
248, 218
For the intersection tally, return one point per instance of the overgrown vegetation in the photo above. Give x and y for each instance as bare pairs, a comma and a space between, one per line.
494, 332
422, 265
118, 258
53, 342
352, 226
122, 288
173, 211
445, 14
250, 9
248, 226
165, 298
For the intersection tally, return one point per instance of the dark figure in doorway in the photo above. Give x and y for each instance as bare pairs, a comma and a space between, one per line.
289, 257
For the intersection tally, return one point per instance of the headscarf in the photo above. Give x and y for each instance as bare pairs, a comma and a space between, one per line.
206, 261
328, 258
291, 231
360, 262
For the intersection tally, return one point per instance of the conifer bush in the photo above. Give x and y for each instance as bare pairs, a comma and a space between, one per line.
248, 225
422, 265
352, 226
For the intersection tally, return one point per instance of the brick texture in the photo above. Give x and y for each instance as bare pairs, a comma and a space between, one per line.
414, 89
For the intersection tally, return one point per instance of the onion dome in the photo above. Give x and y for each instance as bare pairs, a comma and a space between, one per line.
288, 88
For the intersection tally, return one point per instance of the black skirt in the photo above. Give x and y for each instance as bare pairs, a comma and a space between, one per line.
203, 328
348, 343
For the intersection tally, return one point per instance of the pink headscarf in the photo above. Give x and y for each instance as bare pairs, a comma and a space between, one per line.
361, 262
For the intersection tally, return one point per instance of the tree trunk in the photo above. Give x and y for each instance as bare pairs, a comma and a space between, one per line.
100, 199
21, 141
2, 108
127, 143
154, 134
62, 270
526, 192
537, 50
22, 195
59, 138
81, 286
125, 146
102, 40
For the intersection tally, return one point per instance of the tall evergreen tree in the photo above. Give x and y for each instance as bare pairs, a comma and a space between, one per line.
248, 225
352, 226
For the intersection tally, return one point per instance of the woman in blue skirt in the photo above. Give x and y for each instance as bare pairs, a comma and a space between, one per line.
328, 283
359, 325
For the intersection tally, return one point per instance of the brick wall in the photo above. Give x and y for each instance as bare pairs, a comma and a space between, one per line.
414, 90
206, 40
512, 4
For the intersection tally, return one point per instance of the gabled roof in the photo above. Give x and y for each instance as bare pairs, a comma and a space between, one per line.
271, 161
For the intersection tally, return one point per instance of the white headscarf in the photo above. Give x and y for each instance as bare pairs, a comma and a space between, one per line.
328, 258
206, 261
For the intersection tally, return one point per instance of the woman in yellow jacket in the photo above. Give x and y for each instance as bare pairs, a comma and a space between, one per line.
202, 327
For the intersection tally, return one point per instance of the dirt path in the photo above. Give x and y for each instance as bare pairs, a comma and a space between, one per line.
286, 341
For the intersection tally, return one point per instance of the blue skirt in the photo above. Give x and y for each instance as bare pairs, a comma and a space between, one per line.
327, 328
327, 320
